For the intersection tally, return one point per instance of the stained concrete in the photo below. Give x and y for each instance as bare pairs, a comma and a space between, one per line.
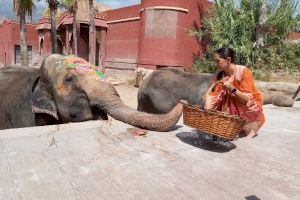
106, 160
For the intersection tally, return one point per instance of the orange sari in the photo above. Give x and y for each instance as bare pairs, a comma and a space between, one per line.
242, 79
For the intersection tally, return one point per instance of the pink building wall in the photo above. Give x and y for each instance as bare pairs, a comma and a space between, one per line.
11, 36
152, 34
134, 40
122, 39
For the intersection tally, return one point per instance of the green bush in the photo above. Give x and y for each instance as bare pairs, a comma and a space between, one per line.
235, 25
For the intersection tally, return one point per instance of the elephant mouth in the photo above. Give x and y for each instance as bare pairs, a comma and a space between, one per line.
97, 113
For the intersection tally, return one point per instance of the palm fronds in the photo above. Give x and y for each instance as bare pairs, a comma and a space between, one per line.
23, 7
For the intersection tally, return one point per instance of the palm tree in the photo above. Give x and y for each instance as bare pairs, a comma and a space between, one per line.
23, 8
91, 33
53, 4
72, 5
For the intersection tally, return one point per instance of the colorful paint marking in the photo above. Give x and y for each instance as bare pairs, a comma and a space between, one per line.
82, 66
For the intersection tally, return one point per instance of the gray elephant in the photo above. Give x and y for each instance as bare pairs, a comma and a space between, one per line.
164, 88
68, 89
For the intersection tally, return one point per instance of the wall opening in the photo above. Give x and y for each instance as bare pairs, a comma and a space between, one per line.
60, 47
41, 46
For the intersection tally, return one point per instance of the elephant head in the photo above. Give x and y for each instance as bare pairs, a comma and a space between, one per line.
72, 90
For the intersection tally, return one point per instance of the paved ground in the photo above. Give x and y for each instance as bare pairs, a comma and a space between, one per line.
106, 160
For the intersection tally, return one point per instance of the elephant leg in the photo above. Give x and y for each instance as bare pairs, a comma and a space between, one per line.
145, 104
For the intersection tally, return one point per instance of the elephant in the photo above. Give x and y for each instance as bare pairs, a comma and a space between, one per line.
61, 91
164, 88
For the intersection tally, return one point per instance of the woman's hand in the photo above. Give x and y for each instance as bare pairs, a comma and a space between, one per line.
228, 86
240, 96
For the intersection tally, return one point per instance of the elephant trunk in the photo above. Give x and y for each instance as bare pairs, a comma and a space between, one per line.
107, 99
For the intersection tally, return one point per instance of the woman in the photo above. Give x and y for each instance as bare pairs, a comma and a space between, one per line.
235, 92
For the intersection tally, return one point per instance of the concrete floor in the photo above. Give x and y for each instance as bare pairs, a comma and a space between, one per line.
106, 160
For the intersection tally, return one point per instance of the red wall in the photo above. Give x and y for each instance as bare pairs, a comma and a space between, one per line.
135, 41
294, 36
160, 51
5, 44
47, 48
127, 45
123, 13
10, 36
122, 39
192, 47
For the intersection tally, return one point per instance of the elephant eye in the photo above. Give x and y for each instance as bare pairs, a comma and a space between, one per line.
70, 78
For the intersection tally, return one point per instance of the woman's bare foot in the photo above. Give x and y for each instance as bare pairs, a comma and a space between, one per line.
251, 129
252, 134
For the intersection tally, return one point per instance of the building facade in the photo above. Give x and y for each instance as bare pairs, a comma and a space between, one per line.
10, 43
152, 34
64, 29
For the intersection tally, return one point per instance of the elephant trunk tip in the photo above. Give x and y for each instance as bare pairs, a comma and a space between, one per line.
173, 117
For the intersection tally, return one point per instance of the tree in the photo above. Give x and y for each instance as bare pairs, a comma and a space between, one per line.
261, 32
246, 25
91, 33
53, 5
23, 8
72, 5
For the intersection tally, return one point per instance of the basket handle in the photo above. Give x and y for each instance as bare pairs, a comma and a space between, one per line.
184, 102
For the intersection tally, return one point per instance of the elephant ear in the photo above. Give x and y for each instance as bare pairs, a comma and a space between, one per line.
42, 101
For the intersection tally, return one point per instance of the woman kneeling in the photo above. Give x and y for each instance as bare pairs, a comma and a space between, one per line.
235, 92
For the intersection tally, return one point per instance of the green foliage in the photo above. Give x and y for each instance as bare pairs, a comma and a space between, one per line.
235, 25
70, 5
297, 19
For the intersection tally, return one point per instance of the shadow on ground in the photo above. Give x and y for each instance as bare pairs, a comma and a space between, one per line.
252, 197
204, 141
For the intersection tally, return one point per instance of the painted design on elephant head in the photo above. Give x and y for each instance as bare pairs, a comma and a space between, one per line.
82, 66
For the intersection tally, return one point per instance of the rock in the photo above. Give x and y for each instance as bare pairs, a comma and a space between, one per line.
283, 101
287, 88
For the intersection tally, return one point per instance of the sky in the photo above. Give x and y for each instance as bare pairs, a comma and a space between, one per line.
119, 3
6, 7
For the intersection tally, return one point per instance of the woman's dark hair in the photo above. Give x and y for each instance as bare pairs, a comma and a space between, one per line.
226, 52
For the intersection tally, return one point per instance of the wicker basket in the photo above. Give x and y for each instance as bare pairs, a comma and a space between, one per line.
212, 122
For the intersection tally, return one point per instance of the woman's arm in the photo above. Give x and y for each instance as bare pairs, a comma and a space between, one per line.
236, 93
240, 96
244, 91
